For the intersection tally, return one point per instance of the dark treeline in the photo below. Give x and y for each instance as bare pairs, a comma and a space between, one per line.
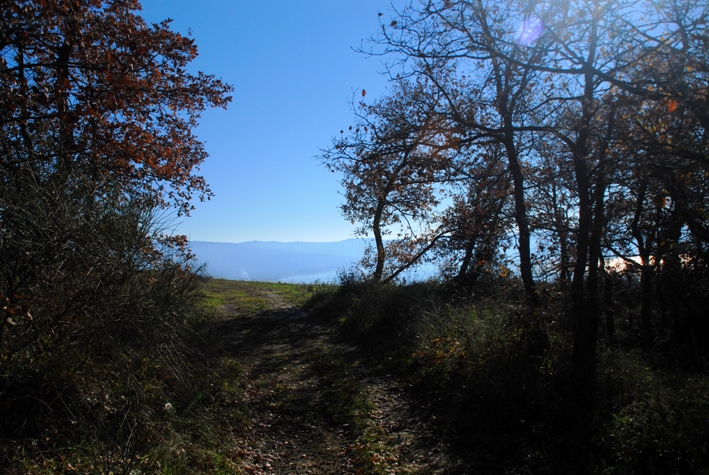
574, 132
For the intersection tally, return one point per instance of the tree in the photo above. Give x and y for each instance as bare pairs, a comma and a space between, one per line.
553, 209
468, 50
555, 84
110, 91
97, 111
479, 220
391, 161
96, 117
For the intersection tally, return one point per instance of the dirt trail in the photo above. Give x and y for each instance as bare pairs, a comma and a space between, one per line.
289, 396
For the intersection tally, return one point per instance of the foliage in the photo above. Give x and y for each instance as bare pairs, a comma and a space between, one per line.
507, 409
98, 338
589, 114
89, 89
391, 161
102, 355
659, 422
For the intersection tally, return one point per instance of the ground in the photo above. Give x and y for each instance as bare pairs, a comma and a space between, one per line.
315, 404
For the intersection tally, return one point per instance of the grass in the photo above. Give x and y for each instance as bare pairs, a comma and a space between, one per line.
503, 406
253, 296
141, 420
509, 408
164, 410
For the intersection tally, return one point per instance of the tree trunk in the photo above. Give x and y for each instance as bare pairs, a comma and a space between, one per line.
585, 310
647, 288
465, 264
586, 341
646, 276
525, 251
376, 229
608, 306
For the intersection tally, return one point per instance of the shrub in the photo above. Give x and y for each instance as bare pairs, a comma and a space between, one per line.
98, 304
658, 422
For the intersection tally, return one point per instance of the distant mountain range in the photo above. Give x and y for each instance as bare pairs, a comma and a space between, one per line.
278, 261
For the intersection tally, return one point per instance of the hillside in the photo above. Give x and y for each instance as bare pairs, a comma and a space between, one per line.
278, 261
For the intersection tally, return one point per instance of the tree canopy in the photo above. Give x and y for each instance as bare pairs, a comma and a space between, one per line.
97, 112
89, 88
591, 115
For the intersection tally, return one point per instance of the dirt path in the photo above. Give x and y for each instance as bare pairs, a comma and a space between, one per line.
315, 406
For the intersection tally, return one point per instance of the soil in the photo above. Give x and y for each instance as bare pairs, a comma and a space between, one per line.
288, 397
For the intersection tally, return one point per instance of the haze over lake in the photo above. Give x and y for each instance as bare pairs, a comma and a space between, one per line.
294, 262
278, 261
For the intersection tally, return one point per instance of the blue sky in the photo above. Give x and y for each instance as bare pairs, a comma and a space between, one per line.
293, 69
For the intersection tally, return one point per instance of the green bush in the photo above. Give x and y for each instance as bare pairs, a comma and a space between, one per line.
472, 364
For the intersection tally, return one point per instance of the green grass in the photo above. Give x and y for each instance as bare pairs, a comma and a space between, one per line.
165, 410
253, 296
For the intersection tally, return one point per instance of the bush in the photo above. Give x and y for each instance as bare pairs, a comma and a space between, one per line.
98, 311
506, 408
658, 422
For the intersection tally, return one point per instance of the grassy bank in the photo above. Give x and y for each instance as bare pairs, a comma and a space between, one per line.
165, 402
507, 400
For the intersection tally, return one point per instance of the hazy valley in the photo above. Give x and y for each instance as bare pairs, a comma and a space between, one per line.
278, 261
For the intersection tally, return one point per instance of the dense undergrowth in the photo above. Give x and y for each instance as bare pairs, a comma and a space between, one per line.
151, 391
110, 400
168, 399
511, 408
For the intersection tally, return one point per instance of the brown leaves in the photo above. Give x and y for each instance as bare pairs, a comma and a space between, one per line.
114, 76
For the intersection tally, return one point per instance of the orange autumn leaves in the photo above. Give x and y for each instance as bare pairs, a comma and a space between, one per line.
111, 90
441, 349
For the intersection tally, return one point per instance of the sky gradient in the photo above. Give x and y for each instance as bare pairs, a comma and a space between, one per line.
294, 69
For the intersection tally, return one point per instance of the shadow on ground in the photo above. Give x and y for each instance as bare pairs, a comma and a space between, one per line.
316, 406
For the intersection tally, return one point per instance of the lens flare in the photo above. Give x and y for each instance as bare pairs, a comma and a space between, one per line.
529, 31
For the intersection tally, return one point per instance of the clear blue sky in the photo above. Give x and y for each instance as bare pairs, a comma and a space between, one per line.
293, 69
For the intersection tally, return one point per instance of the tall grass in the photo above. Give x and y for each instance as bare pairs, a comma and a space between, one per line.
102, 349
509, 408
